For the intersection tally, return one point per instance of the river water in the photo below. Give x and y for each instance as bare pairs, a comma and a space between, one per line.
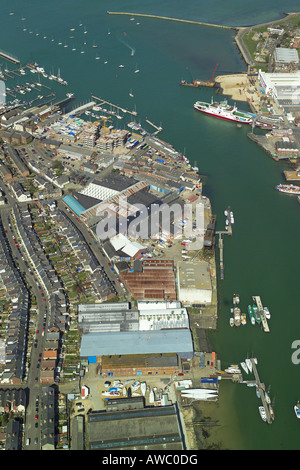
262, 256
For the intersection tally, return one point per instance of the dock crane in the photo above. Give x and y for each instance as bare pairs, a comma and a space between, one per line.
212, 75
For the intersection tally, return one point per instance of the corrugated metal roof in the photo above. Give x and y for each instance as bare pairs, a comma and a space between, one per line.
136, 342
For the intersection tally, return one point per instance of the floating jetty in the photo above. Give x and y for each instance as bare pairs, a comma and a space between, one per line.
261, 389
134, 113
264, 322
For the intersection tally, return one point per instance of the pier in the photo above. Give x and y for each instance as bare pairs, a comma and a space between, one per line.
261, 390
259, 304
134, 113
158, 128
221, 256
221, 246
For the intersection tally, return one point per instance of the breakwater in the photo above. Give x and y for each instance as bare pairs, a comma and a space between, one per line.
201, 23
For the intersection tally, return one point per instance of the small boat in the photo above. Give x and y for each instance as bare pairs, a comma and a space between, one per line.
135, 385
143, 388
271, 412
231, 321
249, 364
131, 94
257, 392
268, 400
243, 318
151, 397
297, 409
256, 314
244, 366
251, 315
262, 413
237, 316
124, 392
267, 313
233, 370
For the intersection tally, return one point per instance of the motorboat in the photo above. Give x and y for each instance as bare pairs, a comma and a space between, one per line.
262, 413
267, 313
297, 409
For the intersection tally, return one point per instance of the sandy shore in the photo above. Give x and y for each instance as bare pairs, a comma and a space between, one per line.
233, 85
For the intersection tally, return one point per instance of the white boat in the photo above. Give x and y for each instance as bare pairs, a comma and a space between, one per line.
267, 313
143, 388
135, 385
262, 413
111, 394
124, 392
249, 364
231, 321
244, 366
233, 370
121, 66
131, 94
151, 397
268, 400
297, 410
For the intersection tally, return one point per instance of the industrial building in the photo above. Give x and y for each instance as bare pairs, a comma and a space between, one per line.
151, 429
132, 364
285, 55
284, 88
93, 318
96, 345
194, 282
155, 282
149, 316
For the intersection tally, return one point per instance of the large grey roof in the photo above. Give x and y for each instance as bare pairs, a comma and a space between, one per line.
137, 342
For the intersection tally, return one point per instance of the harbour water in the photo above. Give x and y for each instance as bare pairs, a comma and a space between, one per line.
262, 256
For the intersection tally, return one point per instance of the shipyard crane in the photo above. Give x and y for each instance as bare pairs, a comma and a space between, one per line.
209, 81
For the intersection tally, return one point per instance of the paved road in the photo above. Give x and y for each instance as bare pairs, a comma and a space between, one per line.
35, 388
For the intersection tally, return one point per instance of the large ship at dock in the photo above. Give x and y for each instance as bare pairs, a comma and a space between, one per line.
288, 188
225, 111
